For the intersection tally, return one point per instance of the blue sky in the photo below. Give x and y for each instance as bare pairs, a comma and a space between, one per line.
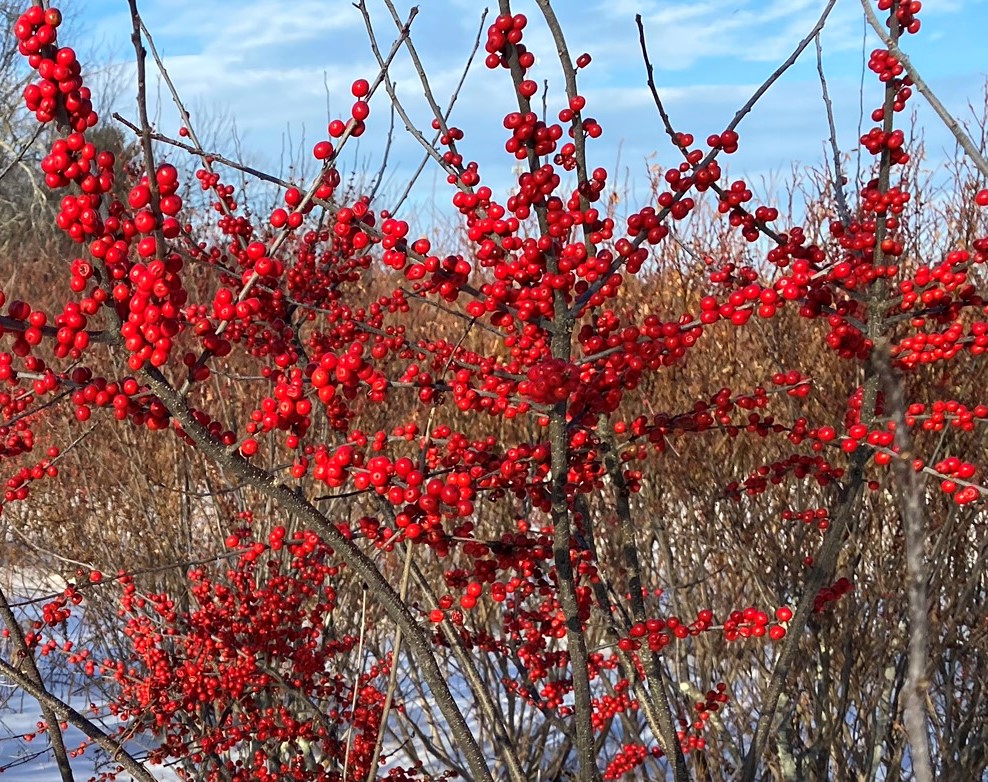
269, 66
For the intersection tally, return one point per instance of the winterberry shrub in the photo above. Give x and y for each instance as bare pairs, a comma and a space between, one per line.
482, 524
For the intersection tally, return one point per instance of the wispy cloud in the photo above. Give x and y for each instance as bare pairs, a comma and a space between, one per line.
266, 64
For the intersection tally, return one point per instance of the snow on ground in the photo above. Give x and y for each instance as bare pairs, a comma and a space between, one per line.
33, 762
23, 761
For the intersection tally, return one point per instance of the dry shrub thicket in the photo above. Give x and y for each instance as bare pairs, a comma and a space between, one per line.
145, 503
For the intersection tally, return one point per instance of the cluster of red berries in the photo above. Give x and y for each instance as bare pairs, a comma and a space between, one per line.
287, 409
504, 32
752, 623
708, 414
830, 594
151, 292
956, 474
530, 132
344, 374
885, 64
905, 14
818, 516
19, 484
127, 398
60, 94
627, 759
691, 734
324, 151
798, 465
257, 618
701, 172
54, 614
16, 437
877, 140
74, 160
936, 416
945, 286
953, 472
530, 135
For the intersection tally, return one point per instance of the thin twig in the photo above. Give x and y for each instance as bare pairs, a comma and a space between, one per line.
30, 666
385, 157
927, 92
113, 747
446, 114
356, 683
19, 155
389, 86
392, 674
842, 208
671, 132
712, 155
826, 560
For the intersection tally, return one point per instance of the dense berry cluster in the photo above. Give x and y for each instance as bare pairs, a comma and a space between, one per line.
529, 439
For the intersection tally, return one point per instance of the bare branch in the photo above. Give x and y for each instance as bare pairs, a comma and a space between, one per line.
842, 208
926, 91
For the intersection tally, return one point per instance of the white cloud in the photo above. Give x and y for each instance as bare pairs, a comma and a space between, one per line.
242, 26
264, 63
